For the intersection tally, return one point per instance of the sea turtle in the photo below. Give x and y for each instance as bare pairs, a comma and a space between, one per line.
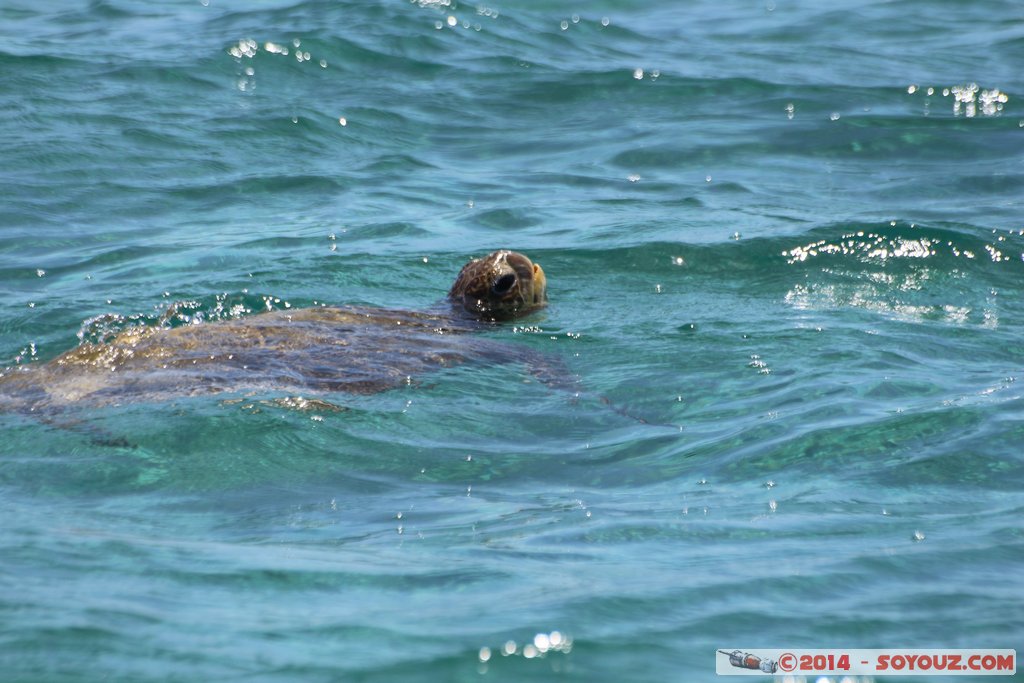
320, 349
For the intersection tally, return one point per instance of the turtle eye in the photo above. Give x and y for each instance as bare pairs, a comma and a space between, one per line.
503, 284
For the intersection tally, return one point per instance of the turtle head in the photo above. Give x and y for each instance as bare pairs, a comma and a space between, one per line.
500, 286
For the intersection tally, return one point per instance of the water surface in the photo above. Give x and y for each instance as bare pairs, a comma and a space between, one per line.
786, 237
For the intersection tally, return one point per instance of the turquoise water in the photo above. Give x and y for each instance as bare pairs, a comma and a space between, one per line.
786, 262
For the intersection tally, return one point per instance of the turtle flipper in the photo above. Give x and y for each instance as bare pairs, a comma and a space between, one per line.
97, 436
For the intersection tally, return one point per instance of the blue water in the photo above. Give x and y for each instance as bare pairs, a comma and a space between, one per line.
785, 251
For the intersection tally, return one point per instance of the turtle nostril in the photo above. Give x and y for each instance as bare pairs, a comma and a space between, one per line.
503, 284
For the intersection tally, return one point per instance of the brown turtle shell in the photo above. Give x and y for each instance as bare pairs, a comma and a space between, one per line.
322, 349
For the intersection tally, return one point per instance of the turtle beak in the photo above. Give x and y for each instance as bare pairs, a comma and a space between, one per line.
540, 285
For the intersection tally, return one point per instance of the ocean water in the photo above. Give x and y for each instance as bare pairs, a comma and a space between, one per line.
785, 251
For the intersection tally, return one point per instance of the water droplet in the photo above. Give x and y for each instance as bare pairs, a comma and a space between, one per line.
918, 536
452, 21
605, 21
834, 116
564, 25
40, 272
638, 74
485, 654
343, 121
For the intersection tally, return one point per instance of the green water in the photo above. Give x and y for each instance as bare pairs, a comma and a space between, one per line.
785, 253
